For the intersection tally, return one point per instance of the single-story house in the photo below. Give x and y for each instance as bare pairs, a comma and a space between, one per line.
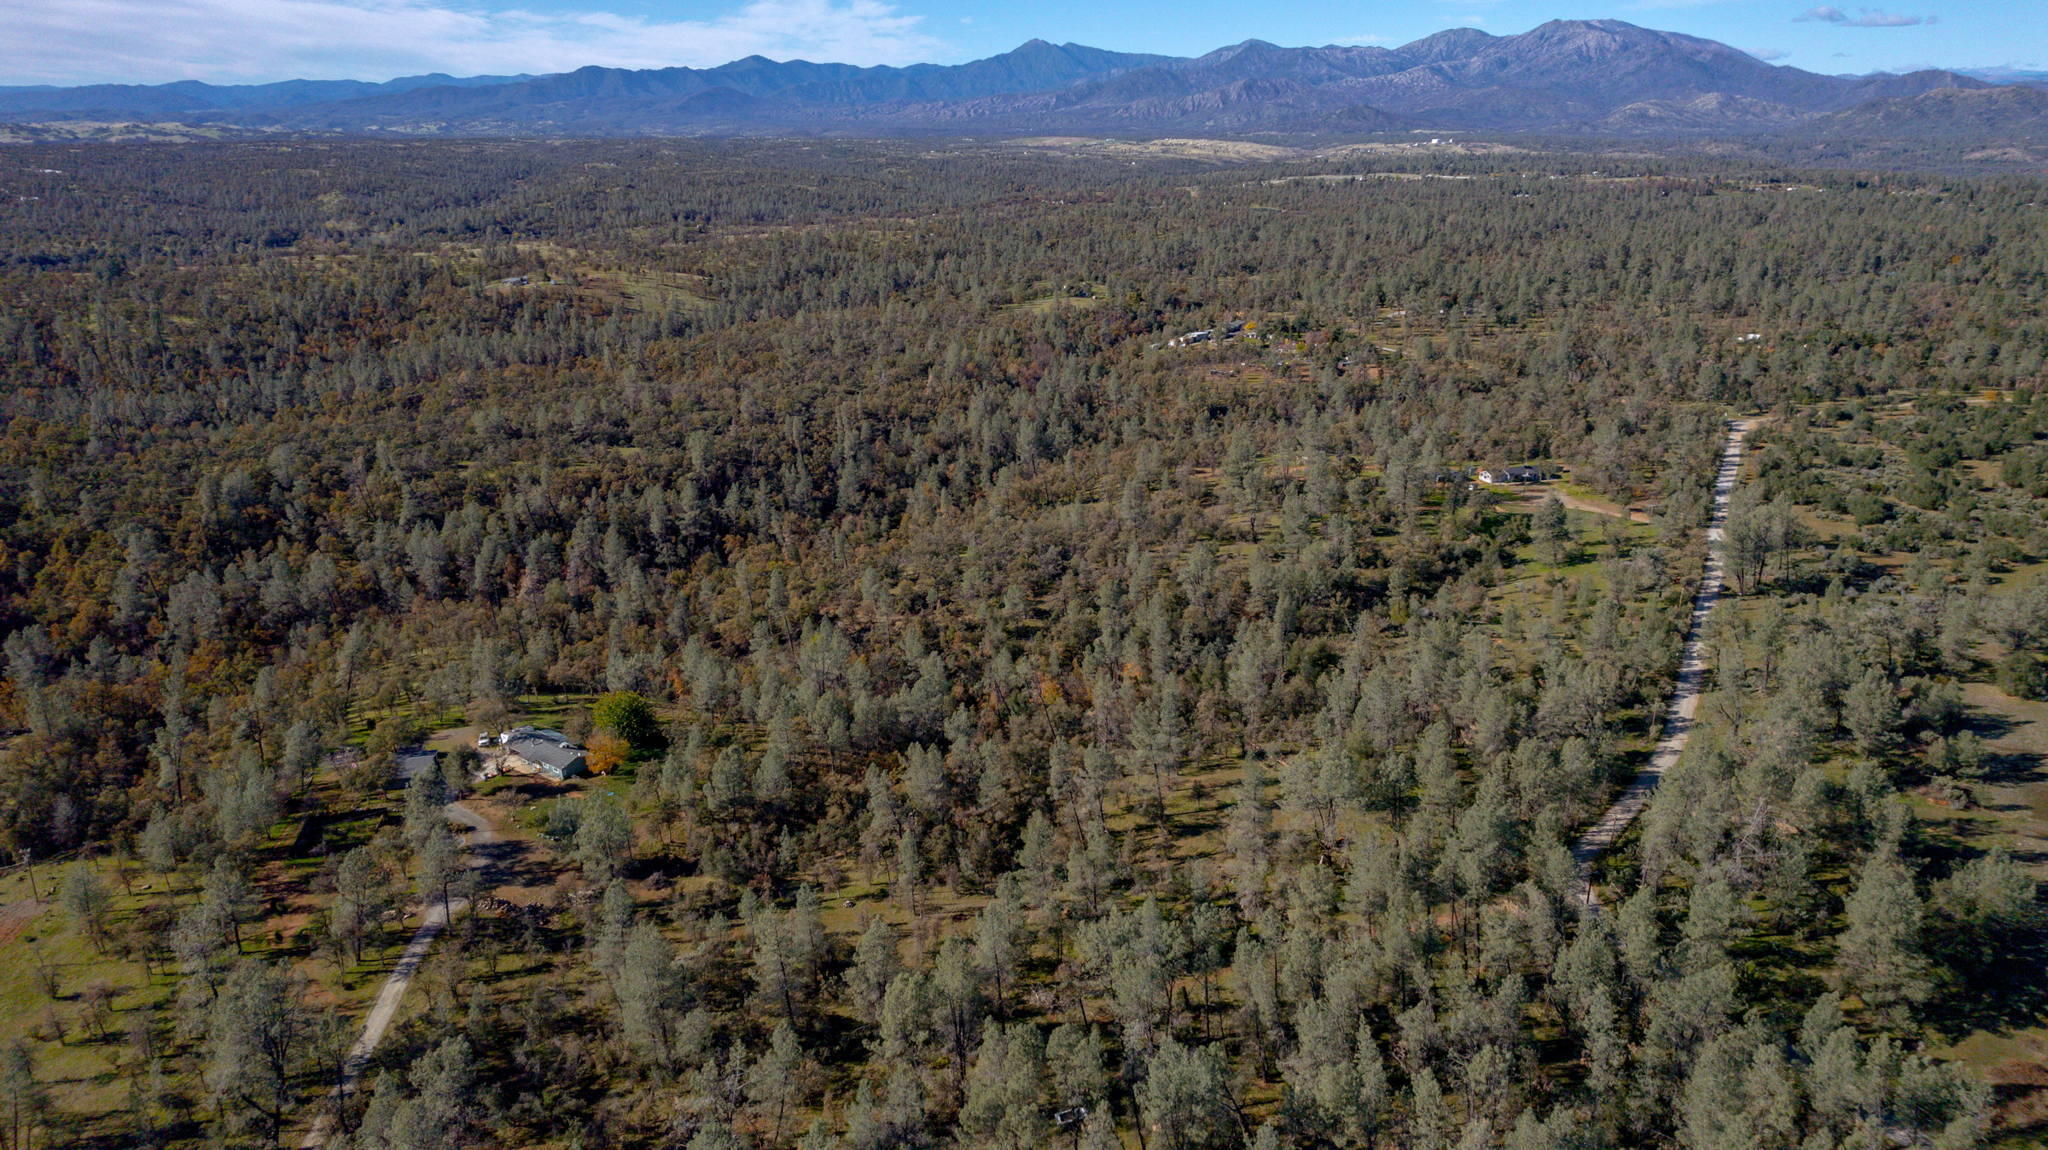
549, 754
1511, 475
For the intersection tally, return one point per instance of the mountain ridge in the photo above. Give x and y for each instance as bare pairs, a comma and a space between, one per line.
1604, 76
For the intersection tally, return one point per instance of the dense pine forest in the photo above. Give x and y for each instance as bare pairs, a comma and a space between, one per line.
1011, 719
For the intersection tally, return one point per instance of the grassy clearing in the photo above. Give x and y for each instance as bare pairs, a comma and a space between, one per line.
651, 290
49, 975
2014, 800
1051, 297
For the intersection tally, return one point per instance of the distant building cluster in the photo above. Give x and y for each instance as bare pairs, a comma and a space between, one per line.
1206, 334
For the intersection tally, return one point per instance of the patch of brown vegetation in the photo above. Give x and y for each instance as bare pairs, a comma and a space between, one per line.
15, 917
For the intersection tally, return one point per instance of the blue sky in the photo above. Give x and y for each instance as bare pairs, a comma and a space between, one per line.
240, 41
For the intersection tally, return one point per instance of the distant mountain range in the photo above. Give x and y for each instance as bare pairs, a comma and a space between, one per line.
1591, 76
2008, 76
191, 100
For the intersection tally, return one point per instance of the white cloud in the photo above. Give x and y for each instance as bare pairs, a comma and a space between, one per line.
1864, 18
1767, 54
150, 41
1360, 41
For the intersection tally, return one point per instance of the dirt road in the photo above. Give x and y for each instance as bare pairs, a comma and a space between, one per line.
1596, 507
1532, 495
385, 1008
1685, 692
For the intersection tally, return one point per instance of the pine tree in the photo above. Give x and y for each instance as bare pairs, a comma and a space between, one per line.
1429, 1118
1871, 712
998, 938
1073, 1060
909, 869
1711, 916
883, 822
1184, 1099
1098, 1132
1004, 1090
1551, 530
1879, 948
360, 897
25, 1101
907, 1023
775, 1081
957, 999
426, 796
788, 948
875, 966
1248, 840
1038, 861
604, 839
256, 1036
228, 887
1606, 1042
440, 866
1641, 936
88, 901
1370, 1073
648, 990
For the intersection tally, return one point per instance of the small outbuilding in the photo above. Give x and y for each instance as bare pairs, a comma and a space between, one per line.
415, 761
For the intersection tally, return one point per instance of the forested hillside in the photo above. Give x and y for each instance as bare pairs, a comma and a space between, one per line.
1015, 721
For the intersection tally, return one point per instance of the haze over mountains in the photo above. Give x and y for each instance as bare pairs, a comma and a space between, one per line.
1598, 76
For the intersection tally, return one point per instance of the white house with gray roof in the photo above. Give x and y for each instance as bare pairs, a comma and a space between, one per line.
547, 753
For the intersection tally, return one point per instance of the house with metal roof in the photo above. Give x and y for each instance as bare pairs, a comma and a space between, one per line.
546, 753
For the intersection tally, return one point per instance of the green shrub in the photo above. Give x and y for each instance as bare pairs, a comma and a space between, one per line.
629, 716
2022, 676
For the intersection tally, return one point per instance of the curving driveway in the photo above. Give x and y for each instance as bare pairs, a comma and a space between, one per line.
385, 1008
1685, 691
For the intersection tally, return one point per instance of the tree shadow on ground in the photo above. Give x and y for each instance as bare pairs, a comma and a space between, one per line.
1998, 988
510, 862
1988, 726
